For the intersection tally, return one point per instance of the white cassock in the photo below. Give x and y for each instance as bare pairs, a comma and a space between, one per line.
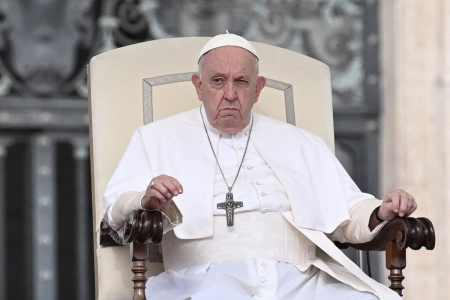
293, 190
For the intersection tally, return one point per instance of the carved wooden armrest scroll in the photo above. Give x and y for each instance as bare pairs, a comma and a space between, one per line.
394, 238
141, 228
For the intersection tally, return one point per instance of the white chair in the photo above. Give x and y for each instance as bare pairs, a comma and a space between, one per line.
138, 84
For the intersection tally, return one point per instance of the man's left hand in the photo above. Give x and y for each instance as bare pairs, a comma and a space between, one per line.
397, 203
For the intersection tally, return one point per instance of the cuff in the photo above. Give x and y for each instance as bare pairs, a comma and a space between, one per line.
357, 229
364, 212
172, 216
117, 214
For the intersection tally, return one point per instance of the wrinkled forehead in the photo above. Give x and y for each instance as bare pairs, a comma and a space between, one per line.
228, 58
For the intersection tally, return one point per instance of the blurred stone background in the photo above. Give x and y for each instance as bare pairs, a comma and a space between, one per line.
390, 66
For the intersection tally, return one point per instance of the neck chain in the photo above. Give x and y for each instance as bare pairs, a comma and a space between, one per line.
229, 205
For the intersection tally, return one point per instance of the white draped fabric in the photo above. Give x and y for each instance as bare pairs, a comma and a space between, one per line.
226, 262
319, 190
250, 279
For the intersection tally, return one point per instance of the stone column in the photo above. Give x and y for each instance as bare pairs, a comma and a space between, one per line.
415, 135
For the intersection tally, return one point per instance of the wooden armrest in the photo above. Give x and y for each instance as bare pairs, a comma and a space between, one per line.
142, 227
394, 238
405, 232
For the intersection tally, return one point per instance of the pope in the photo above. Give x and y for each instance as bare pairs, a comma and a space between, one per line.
283, 192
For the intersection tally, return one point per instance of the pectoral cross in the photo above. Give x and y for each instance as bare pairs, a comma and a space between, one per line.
230, 205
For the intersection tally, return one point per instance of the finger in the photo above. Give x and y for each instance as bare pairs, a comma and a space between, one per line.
395, 199
178, 185
412, 208
410, 203
172, 188
159, 196
154, 200
160, 187
174, 181
161, 178
403, 204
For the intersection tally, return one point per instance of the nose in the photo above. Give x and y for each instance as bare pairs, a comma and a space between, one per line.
230, 91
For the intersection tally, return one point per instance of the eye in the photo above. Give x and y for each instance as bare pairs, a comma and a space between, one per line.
241, 82
218, 82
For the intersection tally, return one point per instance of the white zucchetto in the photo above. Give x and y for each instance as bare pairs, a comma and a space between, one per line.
227, 39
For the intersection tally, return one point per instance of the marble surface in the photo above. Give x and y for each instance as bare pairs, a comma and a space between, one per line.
415, 134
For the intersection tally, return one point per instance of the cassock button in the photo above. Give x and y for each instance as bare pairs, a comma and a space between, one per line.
264, 265
240, 148
259, 295
263, 280
263, 194
257, 183
249, 167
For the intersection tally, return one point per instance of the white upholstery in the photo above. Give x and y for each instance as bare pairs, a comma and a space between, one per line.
116, 110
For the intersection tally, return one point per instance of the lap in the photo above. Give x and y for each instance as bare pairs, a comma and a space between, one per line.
242, 280
221, 281
315, 284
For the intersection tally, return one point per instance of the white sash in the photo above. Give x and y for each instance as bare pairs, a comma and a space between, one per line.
254, 235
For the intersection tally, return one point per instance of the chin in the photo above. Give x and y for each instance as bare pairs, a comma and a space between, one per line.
229, 122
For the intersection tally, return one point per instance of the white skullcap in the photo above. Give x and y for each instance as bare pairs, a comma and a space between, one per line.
227, 39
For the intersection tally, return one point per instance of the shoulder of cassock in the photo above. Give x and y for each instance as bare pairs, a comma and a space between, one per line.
320, 190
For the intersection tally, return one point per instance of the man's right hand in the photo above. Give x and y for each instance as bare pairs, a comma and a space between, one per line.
160, 191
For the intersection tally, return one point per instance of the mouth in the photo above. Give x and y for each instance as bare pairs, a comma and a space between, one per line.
229, 111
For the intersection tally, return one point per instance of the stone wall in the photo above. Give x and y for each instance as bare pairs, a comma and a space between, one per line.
415, 135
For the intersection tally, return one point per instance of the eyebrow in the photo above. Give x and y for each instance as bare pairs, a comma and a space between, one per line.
219, 75
225, 75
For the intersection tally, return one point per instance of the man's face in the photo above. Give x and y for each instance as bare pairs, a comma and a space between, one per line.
229, 87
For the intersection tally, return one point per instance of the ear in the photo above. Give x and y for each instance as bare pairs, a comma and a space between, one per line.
197, 83
260, 83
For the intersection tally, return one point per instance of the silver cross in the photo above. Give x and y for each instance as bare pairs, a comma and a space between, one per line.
230, 205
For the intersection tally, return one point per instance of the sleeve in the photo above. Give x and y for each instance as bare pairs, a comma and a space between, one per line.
118, 212
127, 187
356, 230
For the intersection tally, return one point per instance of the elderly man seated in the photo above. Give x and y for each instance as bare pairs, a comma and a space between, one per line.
247, 199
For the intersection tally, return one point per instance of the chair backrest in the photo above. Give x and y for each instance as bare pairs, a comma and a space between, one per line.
134, 85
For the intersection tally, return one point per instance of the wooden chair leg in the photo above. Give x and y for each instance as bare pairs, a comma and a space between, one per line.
395, 262
139, 257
